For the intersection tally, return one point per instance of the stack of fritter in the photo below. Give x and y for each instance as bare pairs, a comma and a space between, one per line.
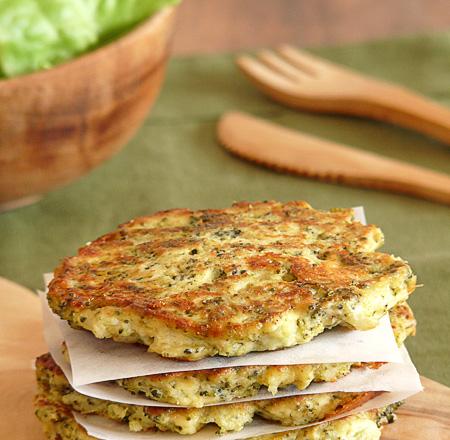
194, 284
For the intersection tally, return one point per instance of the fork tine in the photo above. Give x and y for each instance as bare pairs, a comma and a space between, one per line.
303, 60
281, 65
265, 76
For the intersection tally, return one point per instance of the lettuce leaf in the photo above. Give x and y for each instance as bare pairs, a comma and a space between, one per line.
116, 16
39, 34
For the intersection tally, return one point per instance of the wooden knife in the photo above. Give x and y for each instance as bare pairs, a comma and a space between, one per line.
291, 151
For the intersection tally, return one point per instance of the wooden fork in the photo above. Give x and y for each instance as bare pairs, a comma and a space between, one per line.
301, 80
283, 149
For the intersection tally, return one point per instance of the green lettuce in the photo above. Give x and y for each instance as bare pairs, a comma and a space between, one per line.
116, 16
39, 34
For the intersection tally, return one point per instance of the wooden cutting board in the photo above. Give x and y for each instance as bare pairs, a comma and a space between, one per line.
425, 416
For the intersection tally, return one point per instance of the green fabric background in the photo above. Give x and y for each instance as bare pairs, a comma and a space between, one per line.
175, 161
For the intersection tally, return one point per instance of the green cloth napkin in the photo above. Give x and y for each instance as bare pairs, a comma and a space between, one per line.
175, 161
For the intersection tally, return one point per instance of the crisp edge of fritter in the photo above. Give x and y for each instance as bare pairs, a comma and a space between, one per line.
290, 411
293, 327
201, 387
59, 423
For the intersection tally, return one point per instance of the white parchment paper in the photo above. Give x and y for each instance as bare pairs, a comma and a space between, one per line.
103, 428
95, 360
389, 377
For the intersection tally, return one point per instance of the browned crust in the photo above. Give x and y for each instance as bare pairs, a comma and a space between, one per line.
104, 271
406, 318
355, 402
46, 362
217, 372
40, 401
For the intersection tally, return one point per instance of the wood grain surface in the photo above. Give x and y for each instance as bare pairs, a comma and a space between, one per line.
425, 416
206, 26
21, 341
58, 124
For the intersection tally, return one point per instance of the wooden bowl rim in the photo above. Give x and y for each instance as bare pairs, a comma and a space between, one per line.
152, 21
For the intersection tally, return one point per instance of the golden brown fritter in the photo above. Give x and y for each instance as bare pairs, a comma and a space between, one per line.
289, 411
253, 277
59, 424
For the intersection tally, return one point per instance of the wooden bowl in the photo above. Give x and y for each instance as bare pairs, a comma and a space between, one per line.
58, 124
